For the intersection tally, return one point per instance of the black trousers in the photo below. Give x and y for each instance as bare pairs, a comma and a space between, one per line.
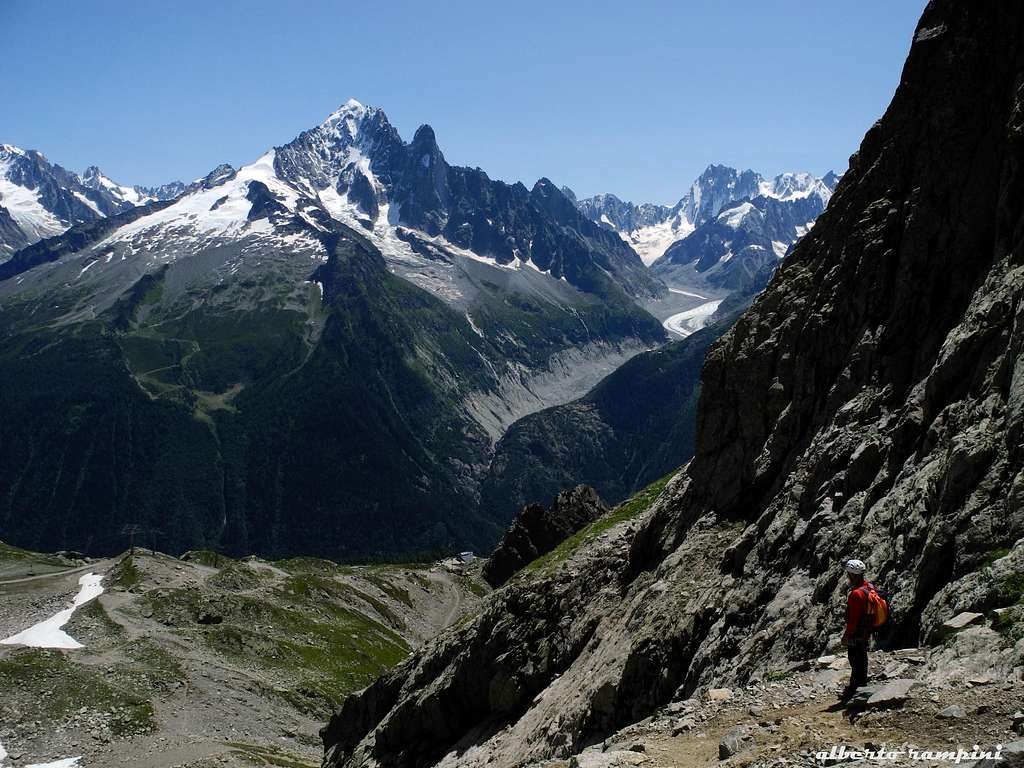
857, 653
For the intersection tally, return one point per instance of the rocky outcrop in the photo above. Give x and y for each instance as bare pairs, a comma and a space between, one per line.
538, 529
869, 403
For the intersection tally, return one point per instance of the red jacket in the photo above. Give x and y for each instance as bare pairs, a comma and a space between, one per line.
856, 610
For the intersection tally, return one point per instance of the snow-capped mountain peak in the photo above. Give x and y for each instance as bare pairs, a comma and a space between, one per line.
94, 178
348, 115
40, 199
792, 186
652, 229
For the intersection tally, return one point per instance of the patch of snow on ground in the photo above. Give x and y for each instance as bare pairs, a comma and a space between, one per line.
691, 320
67, 762
779, 247
48, 634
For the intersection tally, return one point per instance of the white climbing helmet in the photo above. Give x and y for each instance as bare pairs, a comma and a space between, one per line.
855, 566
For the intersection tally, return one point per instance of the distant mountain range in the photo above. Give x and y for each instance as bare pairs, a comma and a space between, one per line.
652, 229
314, 352
39, 199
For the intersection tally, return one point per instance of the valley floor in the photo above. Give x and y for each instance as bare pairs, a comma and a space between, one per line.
206, 661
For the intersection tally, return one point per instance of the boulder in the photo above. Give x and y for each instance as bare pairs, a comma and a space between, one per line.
733, 742
961, 621
952, 712
684, 725
890, 694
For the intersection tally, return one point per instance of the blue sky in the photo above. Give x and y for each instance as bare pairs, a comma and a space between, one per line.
634, 98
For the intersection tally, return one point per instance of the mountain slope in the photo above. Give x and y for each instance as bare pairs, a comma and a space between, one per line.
636, 425
191, 410
868, 404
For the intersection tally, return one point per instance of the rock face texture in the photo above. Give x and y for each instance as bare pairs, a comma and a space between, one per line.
870, 403
538, 529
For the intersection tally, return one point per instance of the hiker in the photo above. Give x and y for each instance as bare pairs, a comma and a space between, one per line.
865, 611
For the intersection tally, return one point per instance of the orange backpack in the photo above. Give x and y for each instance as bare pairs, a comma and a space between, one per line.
878, 607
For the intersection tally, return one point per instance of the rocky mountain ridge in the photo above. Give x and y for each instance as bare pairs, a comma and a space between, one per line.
868, 404
537, 530
409, 199
40, 199
652, 229
94, 178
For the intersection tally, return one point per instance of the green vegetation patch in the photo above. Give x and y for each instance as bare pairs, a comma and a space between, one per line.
302, 633
995, 554
627, 510
238, 577
393, 619
1011, 588
206, 557
325, 658
49, 688
388, 587
159, 666
473, 586
9, 553
126, 574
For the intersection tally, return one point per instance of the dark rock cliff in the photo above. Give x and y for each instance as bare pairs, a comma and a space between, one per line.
869, 403
538, 529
